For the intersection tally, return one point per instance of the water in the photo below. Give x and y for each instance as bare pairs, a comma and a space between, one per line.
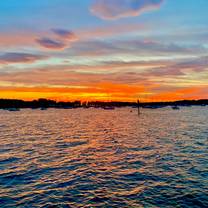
97, 158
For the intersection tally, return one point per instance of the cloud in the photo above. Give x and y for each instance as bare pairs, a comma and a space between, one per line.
93, 48
156, 79
133, 47
63, 39
73, 84
159, 48
8, 58
115, 72
16, 38
182, 68
67, 76
110, 30
51, 44
65, 34
115, 9
181, 93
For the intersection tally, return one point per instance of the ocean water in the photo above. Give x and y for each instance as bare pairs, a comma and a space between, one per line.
97, 158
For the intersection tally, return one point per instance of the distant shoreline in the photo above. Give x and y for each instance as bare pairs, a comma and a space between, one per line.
45, 103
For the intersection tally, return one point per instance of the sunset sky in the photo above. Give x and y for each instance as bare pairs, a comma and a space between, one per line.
104, 49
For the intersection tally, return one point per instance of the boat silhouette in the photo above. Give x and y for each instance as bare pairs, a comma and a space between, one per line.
43, 108
13, 109
108, 108
175, 108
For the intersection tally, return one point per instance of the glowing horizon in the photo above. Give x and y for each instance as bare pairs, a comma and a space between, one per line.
104, 50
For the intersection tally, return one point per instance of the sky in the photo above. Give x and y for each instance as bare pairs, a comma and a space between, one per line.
109, 50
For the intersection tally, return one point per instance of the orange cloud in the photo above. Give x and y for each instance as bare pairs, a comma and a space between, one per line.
104, 92
189, 93
100, 91
147, 80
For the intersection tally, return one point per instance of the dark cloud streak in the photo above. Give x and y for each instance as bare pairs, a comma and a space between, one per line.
65, 34
51, 44
8, 58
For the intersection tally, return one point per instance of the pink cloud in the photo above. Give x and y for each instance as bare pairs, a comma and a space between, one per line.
64, 38
115, 9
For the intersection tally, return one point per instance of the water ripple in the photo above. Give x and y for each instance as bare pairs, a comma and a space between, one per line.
96, 158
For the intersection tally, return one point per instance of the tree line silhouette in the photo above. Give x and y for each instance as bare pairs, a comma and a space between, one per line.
46, 103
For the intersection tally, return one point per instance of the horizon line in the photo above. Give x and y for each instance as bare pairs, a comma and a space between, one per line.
105, 101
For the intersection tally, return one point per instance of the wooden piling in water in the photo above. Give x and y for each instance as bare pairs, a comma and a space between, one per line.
138, 106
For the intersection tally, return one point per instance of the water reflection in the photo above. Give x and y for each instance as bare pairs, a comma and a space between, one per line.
97, 158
